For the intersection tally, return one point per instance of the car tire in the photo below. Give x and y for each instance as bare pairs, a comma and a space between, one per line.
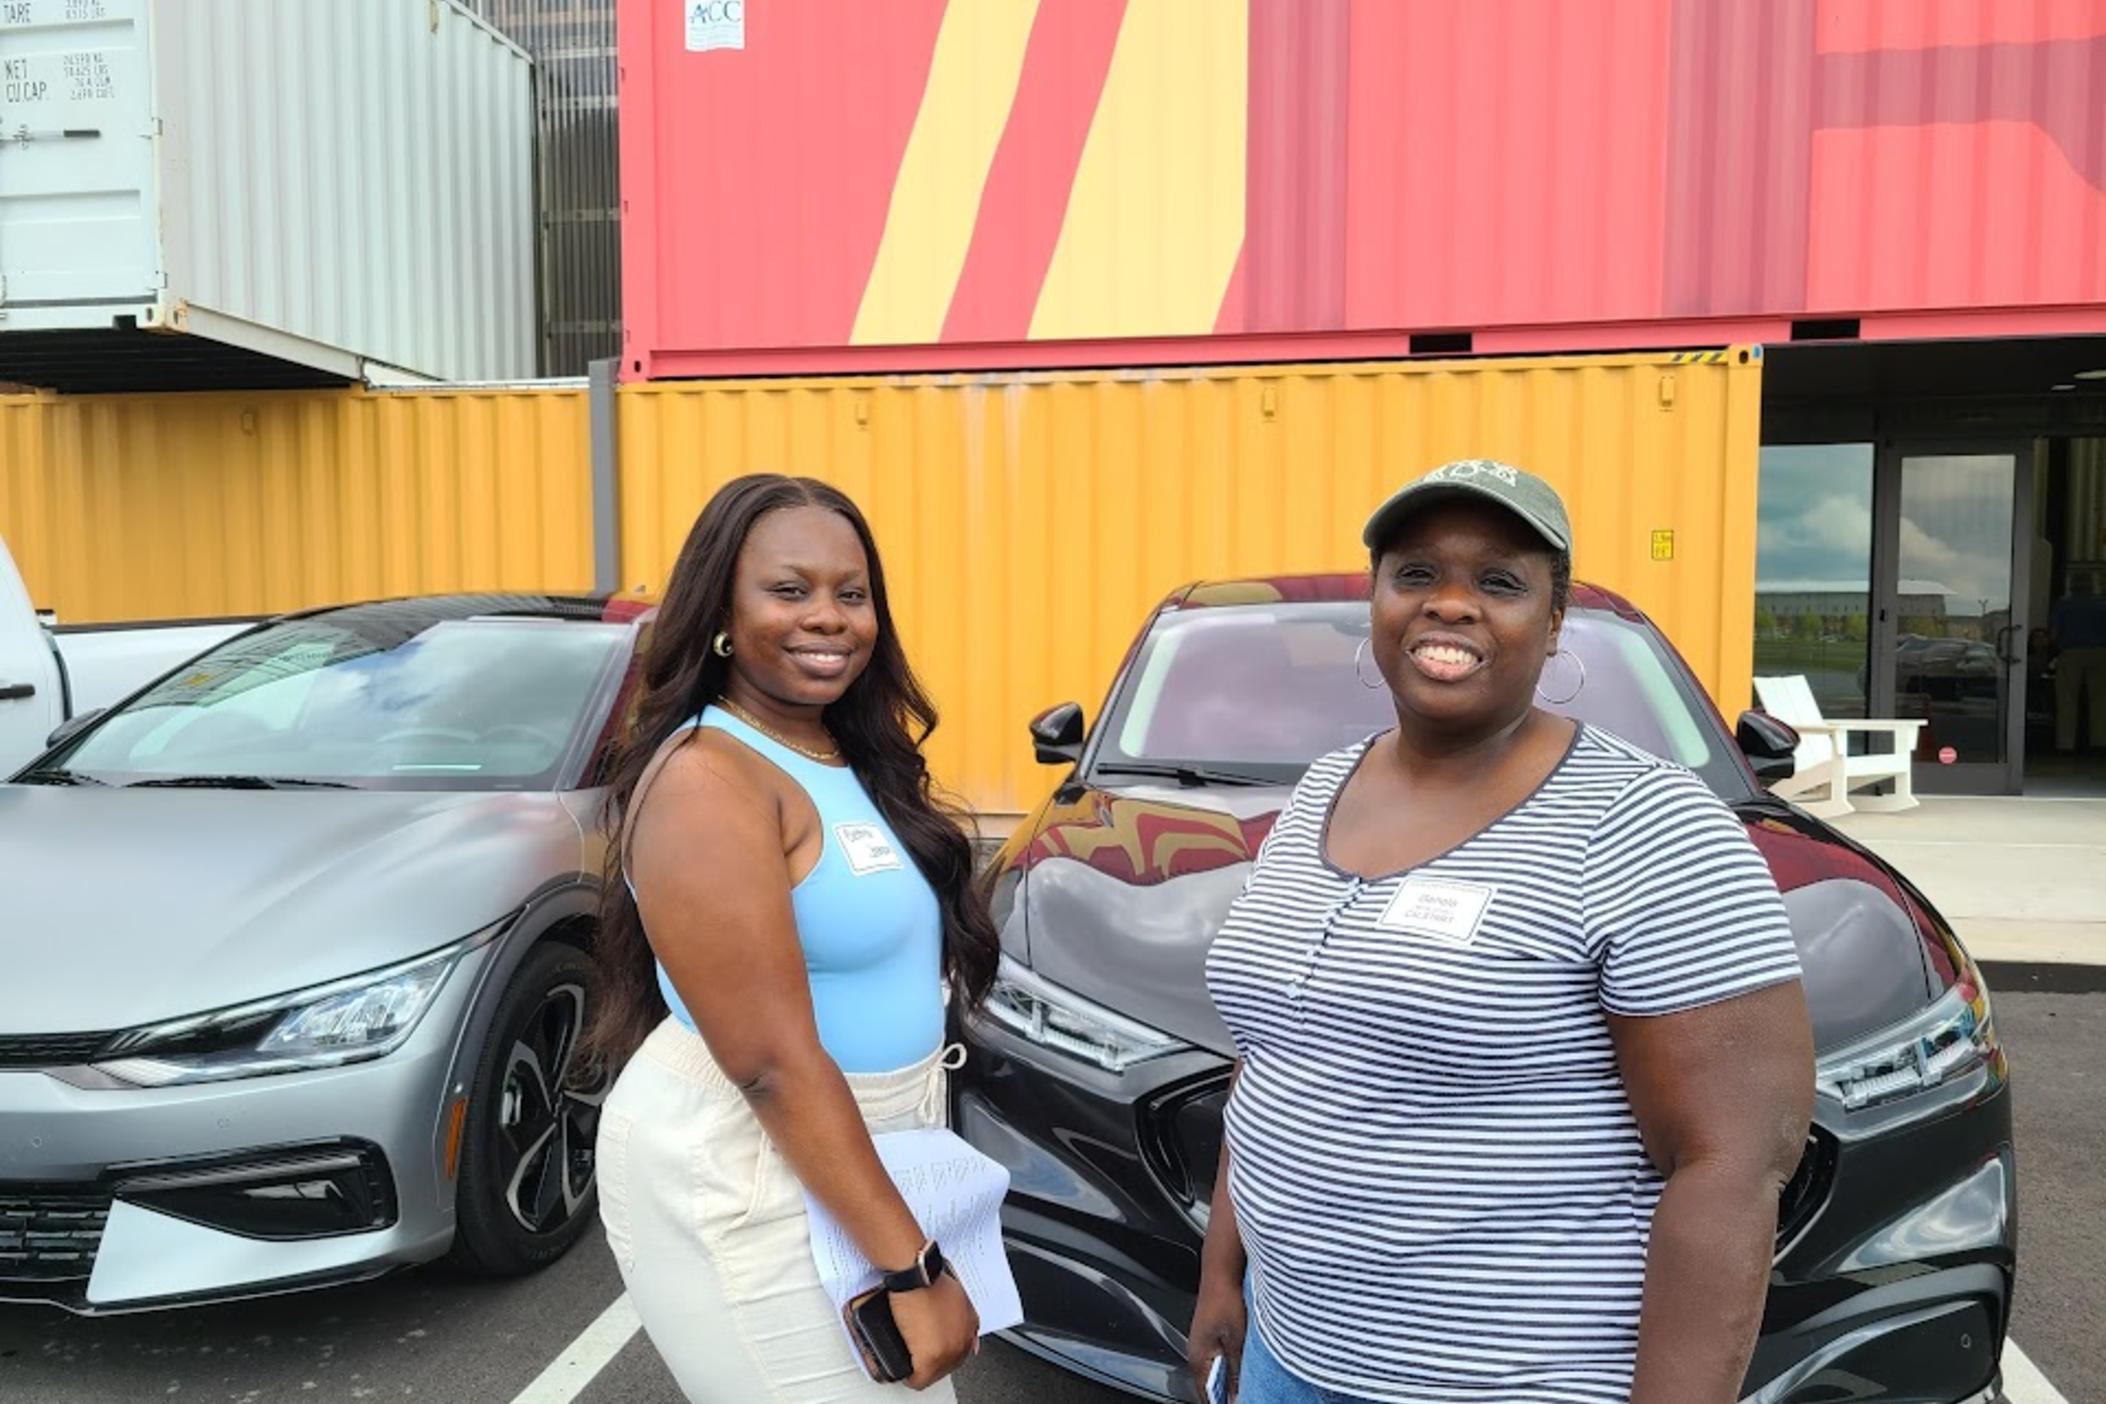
527, 1188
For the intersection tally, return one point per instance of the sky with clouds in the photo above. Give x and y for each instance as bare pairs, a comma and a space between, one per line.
1814, 522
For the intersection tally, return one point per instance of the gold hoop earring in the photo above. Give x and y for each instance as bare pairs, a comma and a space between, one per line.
1577, 687
721, 646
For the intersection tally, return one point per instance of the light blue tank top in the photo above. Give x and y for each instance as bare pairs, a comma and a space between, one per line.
869, 922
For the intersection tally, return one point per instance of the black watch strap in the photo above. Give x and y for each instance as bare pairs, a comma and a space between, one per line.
926, 1269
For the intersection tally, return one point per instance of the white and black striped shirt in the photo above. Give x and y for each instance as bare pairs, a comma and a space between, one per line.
1433, 1163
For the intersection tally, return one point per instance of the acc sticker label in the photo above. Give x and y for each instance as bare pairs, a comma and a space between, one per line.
715, 24
1442, 911
867, 848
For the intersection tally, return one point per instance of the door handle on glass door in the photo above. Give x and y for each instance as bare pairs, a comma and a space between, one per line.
2008, 657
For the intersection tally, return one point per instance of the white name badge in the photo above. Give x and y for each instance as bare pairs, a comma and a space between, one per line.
867, 848
1440, 910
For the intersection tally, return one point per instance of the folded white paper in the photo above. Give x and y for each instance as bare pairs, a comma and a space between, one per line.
956, 1194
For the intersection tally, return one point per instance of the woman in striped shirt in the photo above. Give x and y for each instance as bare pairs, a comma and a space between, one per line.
1524, 1057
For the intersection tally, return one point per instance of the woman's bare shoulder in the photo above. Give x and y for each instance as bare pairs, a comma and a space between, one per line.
701, 779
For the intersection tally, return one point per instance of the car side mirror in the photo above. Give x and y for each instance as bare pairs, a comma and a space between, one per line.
73, 726
1771, 746
1057, 733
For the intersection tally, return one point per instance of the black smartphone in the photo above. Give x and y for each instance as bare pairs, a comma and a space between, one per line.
886, 1358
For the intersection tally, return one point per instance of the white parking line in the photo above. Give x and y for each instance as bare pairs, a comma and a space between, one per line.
1977, 843
568, 1374
2023, 1382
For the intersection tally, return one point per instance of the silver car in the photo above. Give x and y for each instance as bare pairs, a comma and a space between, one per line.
294, 958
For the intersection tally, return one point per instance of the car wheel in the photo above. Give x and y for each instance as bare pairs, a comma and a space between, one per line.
527, 1189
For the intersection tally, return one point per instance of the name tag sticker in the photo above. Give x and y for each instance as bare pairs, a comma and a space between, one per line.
868, 850
1441, 911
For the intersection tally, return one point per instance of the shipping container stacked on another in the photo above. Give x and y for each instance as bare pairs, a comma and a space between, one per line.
205, 193
931, 185
839, 188
579, 205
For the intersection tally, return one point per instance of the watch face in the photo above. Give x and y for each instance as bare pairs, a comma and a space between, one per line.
923, 1272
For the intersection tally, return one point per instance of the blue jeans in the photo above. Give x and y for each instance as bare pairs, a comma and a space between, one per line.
1266, 1381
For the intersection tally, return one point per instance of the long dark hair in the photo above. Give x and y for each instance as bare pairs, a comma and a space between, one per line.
880, 724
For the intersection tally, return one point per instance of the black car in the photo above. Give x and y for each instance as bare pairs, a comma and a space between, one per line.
1099, 1068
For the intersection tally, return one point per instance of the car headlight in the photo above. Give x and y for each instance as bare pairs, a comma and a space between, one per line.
1059, 1019
325, 1026
1951, 1038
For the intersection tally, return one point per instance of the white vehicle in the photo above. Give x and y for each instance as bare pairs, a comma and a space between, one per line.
49, 677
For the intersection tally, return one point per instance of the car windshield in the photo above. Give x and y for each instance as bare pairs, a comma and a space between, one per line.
376, 701
1263, 690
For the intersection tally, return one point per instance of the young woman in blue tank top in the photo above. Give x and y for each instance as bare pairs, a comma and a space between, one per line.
786, 905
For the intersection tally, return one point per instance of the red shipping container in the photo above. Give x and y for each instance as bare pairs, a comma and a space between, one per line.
836, 185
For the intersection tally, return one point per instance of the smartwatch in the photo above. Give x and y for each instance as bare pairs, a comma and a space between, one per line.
927, 1267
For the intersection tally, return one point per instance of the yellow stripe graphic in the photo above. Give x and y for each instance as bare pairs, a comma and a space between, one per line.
936, 199
1155, 219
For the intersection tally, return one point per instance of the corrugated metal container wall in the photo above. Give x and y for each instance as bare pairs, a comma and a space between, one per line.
325, 184
1030, 523
201, 505
572, 44
931, 185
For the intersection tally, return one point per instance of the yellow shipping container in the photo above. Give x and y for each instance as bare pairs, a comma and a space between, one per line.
124, 507
1030, 521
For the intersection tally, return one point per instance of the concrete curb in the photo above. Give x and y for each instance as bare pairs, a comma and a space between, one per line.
2032, 977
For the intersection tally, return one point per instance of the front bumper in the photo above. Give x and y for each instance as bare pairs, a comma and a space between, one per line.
125, 1199
1893, 1283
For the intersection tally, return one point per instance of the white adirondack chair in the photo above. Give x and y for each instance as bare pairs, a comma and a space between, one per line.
1826, 771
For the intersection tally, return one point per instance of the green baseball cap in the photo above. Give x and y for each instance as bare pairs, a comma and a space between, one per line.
1520, 492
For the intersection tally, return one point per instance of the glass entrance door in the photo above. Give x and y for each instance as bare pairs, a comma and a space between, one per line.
1949, 645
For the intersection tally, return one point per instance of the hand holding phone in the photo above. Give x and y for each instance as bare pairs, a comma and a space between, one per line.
915, 1338
876, 1334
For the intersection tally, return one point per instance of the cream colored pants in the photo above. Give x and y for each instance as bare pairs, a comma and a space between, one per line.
708, 1226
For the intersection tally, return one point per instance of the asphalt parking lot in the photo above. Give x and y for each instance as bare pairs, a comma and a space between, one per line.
435, 1335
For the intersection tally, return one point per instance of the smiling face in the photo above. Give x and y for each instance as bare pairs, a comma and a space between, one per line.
1464, 615
803, 622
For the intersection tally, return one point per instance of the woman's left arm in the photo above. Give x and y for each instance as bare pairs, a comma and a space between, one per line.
1723, 1094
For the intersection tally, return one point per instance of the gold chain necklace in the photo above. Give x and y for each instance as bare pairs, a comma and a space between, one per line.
777, 737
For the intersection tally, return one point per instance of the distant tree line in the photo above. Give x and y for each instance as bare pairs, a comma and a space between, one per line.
1851, 628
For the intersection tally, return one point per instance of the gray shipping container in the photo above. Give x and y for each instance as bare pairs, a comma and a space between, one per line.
572, 44
218, 193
